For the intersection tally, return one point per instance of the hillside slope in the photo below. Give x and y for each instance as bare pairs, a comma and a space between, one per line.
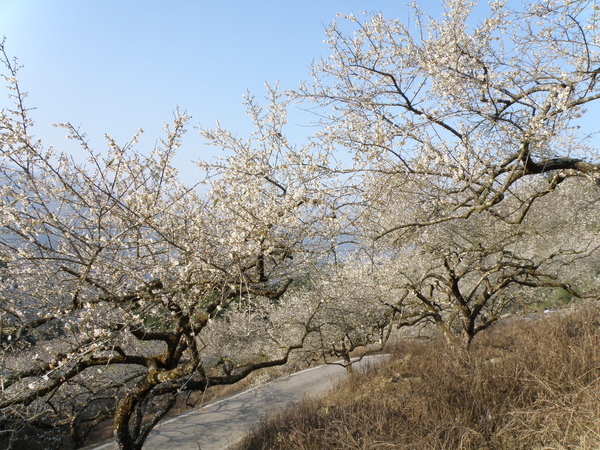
528, 383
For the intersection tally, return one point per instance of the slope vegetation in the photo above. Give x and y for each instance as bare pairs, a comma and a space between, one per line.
528, 383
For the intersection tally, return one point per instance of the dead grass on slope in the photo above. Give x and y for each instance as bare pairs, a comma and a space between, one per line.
526, 384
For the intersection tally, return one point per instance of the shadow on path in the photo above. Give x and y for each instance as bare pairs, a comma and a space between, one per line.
224, 422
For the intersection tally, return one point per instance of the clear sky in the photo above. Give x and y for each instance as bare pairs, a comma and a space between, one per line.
113, 66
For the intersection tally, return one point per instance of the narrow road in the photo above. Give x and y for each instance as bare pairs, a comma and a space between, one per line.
224, 422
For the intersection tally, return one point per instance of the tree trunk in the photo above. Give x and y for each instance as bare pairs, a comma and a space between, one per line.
123, 416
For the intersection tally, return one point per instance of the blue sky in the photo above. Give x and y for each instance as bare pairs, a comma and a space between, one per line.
114, 66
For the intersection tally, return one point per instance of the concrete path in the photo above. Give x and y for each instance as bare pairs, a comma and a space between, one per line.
224, 422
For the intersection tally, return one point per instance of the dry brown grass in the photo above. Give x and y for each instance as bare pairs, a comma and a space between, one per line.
526, 384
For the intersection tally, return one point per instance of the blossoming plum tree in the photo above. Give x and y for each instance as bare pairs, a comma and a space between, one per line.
455, 131
456, 114
354, 312
113, 270
465, 275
